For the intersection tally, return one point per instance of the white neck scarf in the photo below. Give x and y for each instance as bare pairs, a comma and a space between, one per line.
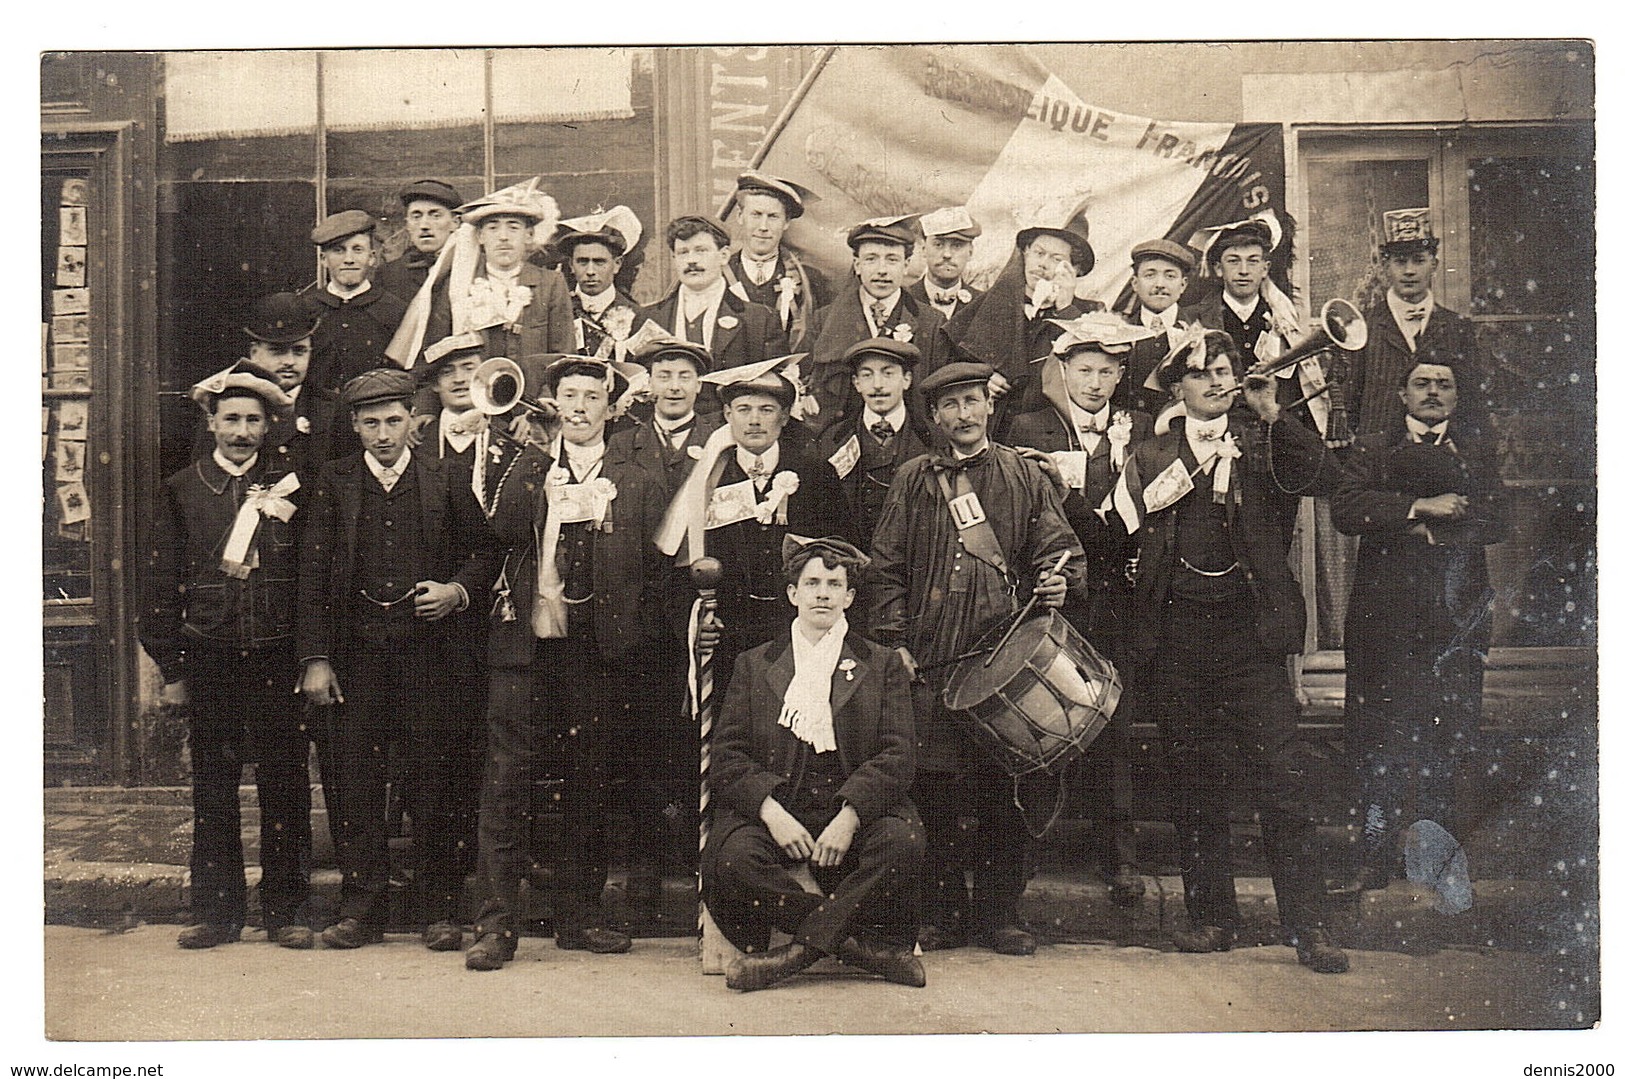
806, 712
597, 305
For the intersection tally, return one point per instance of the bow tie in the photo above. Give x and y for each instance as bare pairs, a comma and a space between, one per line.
882, 431
1091, 424
1418, 313
468, 425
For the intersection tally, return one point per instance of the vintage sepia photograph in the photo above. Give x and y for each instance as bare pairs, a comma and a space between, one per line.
689, 541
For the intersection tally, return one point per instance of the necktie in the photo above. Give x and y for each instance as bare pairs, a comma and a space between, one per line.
668, 436
387, 477
694, 329
1154, 322
882, 431
878, 311
757, 270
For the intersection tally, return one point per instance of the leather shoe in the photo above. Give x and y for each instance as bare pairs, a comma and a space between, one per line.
934, 938
752, 972
1317, 952
1009, 940
351, 933
443, 937
593, 938
207, 935
299, 937
893, 964
1127, 887
1207, 938
490, 952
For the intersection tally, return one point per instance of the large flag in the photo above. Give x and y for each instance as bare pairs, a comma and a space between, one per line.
908, 129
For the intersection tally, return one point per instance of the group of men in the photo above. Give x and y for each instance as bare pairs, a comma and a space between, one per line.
493, 612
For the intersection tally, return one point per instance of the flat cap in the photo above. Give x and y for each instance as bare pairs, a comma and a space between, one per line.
768, 384
897, 351
1083, 256
377, 386
235, 380
959, 373
281, 319
887, 230
698, 355
1167, 251
835, 546
342, 225
433, 190
794, 196
953, 222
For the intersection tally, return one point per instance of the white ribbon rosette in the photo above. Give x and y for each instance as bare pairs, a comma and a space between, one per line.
1117, 434
240, 555
902, 332
773, 507
494, 302
787, 288
567, 503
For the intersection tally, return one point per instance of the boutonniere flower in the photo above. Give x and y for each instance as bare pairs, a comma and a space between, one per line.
787, 286
302, 425
773, 507
902, 332
602, 492
846, 665
695, 452
559, 475
727, 322
964, 296
618, 321
1122, 426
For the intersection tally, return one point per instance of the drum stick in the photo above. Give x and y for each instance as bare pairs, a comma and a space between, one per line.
1025, 611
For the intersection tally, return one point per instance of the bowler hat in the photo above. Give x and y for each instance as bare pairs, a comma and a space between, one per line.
281, 319
1083, 256
432, 190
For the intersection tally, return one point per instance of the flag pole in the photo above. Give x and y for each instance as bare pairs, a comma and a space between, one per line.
783, 119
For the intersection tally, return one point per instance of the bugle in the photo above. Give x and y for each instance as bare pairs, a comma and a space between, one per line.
498, 387
1341, 326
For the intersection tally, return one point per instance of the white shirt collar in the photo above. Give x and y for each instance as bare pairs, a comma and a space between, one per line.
1205, 448
768, 458
582, 459
1399, 308
597, 305
1168, 317
458, 441
693, 301
1421, 432
1243, 312
235, 470
670, 425
378, 470
333, 287
962, 456
1084, 421
895, 417
508, 276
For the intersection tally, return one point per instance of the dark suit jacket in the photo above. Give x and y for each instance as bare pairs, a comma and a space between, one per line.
753, 758
842, 324
460, 548
1214, 314
866, 485
352, 335
327, 433
754, 335
1412, 597
546, 327
1260, 525
627, 571
917, 290
812, 294
1375, 371
405, 275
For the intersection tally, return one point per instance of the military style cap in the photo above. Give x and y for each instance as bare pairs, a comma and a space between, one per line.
618, 375
281, 319
525, 200
238, 381
617, 228
703, 224
1407, 231
1083, 256
897, 351
341, 226
1167, 251
455, 345
887, 230
950, 222
794, 196
433, 190
377, 386
770, 383
1252, 231
834, 545
959, 373
698, 355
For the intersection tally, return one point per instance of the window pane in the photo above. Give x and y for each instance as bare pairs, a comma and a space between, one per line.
1346, 202
1532, 235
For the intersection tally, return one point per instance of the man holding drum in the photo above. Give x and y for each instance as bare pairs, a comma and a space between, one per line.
1216, 613
961, 537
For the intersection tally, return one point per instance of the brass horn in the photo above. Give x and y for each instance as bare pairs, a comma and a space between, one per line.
1341, 326
498, 386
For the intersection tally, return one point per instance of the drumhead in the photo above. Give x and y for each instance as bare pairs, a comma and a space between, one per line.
974, 680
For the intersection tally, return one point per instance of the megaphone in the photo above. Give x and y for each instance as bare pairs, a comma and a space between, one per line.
498, 387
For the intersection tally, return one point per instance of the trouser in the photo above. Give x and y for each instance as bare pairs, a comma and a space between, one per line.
1419, 721
971, 823
1100, 782
395, 697
1215, 692
663, 761
750, 892
556, 716
243, 710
